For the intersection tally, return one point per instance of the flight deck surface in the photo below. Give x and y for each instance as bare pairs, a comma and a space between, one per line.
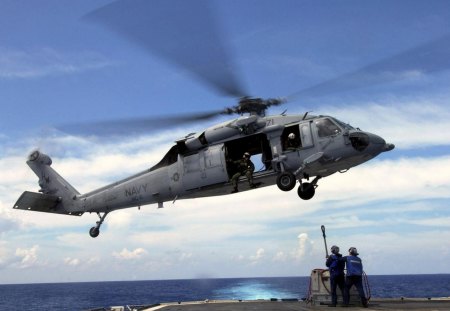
437, 304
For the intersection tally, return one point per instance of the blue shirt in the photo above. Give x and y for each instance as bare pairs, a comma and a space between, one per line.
354, 266
335, 265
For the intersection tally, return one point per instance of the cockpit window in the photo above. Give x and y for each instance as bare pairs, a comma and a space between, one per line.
325, 127
343, 125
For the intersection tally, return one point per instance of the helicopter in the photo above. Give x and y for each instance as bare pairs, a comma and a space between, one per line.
199, 164
293, 149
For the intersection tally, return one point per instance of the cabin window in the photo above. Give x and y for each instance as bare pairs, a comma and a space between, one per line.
306, 135
294, 142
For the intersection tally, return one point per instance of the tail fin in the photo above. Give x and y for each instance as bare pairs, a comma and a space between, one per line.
58, 196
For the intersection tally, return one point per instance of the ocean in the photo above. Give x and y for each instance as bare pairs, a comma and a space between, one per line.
88, 295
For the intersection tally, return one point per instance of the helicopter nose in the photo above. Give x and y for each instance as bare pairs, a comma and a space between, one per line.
388, 147
368, 142
375, 139
380, 143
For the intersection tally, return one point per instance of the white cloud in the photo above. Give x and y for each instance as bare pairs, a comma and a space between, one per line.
93, 260
29, 256
239, 257
280, 256
125, 254
120, 219
432, 221
71, 261
5, 256
258, 256
304, 247
185, 256
7, 221
26, 64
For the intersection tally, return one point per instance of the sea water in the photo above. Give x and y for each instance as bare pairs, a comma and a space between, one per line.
83, 296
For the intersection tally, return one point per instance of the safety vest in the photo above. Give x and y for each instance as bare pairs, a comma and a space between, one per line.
354, 266
245, 165
336, 266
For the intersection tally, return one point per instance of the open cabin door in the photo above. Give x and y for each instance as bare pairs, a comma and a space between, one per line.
257, 145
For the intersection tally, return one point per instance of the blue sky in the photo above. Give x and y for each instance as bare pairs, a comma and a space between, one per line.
56, 68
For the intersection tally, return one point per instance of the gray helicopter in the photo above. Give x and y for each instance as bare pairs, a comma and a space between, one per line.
292, 148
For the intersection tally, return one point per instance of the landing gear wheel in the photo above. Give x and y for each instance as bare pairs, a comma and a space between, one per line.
306, 191
286, 181
94, 232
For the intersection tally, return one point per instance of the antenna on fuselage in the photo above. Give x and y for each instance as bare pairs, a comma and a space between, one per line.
304, 116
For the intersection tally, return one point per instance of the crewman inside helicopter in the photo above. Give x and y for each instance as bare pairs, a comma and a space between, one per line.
245, 167
290, 138
292, 143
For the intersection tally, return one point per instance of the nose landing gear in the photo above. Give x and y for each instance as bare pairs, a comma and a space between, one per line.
95, 231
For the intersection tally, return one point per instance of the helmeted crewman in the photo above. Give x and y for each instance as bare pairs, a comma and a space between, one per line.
292, 143
337, 277
245, 167
354, 276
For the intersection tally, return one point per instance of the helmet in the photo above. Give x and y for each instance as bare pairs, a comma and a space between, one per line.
246, 155
353, 251
334, 249
291, 136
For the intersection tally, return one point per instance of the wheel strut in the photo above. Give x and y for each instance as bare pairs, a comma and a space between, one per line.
95, 231
315, 180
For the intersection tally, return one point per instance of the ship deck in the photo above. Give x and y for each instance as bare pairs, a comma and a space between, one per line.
437, 304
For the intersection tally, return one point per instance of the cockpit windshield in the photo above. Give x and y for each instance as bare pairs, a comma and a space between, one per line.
345, 126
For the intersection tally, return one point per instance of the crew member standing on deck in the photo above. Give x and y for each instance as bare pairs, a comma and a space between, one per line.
337, 277
354, 276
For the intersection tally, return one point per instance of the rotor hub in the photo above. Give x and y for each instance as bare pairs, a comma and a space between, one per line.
255, 106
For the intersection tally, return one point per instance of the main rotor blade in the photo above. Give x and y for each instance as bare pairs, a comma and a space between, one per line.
183, 32
135, 125
427, 58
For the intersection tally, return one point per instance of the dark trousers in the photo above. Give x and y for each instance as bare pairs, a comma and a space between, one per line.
357, 281
235, 178
335, 281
